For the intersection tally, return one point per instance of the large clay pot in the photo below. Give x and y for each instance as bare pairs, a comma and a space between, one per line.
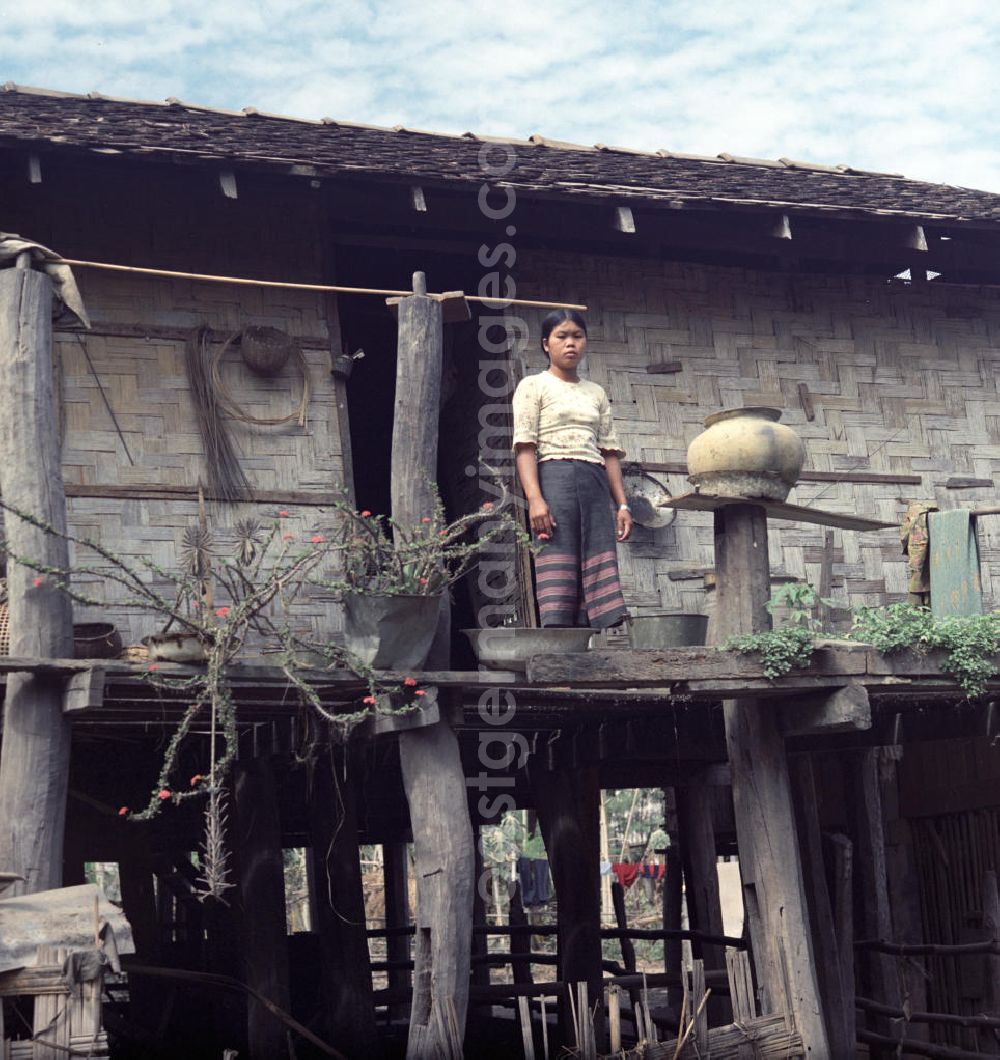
746, 453
390, 632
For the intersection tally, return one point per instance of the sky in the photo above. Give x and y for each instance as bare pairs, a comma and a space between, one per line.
879, 84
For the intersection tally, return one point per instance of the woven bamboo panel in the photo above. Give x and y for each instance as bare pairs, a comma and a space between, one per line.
145, 383
901, 380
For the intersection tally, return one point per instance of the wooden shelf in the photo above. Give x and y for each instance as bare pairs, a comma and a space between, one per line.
708, 502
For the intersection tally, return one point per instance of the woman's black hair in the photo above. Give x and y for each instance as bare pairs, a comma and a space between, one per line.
555, 318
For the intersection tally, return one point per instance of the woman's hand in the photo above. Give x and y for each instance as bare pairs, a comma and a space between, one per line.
540, 518
623, 523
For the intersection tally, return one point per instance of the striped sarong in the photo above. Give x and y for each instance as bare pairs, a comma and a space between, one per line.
576, 574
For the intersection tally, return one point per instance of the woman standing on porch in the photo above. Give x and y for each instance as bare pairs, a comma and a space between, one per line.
569, 463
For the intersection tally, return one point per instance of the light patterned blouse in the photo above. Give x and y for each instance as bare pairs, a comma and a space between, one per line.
565, 421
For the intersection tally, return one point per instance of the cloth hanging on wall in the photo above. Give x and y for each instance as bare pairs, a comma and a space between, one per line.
913, 534
956, 586
63, 281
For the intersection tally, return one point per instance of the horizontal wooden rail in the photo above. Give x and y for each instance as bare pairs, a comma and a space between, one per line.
926, 949
876, 1007
606, 933
902, 1046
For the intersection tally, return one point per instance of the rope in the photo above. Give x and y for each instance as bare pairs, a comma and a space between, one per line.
230, 404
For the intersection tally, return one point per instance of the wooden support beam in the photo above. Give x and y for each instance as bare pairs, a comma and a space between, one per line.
34, 762
417, 200
837, 995
261, 911
839, 710
673, 895
84, 691
877, 973
520, 935
338, 899
433, 776
34, 169
701, 878
782, 228
395, 879
227, 184
770, 863
568, 801
624, 220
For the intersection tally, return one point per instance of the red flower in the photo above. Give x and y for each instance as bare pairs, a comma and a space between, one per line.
421, 581
195, 779
410, 682
317, 539
286, 537
366, 514
153, 667
488, 505
420, 692
36, 582
282, 515
544, 537
221, 612
369, 701
426, 519
122, 811
442, 533
163, 795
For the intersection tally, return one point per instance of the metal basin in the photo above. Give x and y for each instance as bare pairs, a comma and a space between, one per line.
668, 631
507, 648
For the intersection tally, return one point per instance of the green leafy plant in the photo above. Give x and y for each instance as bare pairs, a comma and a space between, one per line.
791, 643
971, 643
800, 600
780, 649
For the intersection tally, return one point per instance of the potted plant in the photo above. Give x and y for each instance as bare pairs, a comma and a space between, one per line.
395, 575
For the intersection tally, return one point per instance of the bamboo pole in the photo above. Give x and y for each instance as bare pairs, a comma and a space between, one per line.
207, 277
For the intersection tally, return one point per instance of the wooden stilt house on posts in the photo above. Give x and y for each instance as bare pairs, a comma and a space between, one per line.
862, 794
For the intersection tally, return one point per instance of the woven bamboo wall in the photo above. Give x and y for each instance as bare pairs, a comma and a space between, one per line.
902, 380
145, 383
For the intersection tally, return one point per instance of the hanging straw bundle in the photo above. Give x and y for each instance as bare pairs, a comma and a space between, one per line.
226, 478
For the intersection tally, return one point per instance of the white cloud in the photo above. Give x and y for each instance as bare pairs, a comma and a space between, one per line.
887, 84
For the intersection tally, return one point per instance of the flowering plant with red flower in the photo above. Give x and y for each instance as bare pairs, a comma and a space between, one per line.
383, 556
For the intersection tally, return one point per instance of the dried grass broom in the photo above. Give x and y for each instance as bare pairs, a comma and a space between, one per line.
226, 479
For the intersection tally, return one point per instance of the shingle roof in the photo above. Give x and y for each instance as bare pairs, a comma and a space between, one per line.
34, 116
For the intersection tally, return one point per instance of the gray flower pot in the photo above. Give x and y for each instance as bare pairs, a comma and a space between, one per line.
390, 632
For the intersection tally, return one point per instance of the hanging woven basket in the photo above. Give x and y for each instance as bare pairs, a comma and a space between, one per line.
266, 350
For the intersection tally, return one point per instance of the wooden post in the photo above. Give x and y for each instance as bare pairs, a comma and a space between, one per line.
339, 905
673, 892
770, 865
261, 888
432, 767
34, 764
520, 935
877, 972
838, 1004
701, 879
568, 801
397, 915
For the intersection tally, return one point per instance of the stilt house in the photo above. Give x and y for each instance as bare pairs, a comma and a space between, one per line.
862, 795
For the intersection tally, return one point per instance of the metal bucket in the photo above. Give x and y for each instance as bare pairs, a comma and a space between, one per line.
668, 631
390, 632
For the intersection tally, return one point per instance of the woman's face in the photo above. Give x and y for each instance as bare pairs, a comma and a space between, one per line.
566, 345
